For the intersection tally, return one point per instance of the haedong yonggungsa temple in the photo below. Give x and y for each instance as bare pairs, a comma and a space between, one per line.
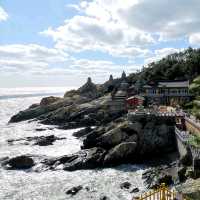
167, 93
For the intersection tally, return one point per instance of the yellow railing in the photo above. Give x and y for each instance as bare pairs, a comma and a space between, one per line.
162, 193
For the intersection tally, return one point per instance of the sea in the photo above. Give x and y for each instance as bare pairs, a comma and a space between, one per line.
52, 185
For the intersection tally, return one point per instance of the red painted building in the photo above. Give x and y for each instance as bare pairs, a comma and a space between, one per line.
134, 101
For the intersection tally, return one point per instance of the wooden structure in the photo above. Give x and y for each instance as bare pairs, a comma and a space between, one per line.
162, 193
134, 101
167, 92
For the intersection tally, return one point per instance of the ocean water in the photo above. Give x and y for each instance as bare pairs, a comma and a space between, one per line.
51, 185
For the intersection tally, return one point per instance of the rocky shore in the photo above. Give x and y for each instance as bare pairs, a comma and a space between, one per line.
109, 137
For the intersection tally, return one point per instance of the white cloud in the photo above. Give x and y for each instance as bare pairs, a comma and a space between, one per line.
39, 61
99, 28
168, 19
3, 14
25, 58
194, 39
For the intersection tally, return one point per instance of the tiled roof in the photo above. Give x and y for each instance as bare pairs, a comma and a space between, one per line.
170, 84
174, 84
136, 96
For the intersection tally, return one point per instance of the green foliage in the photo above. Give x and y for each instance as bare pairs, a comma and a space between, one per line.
177, 66
194, 140
195, 86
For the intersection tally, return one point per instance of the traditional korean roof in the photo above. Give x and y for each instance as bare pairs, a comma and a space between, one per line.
136, 96
147, 86
170, 84
173, 84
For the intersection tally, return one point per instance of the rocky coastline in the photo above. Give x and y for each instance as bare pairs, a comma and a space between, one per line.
109, 137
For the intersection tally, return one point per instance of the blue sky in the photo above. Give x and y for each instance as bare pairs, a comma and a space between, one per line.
61, 43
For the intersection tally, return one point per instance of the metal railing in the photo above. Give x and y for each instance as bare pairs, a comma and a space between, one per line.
183, 135
195, 152
162, 193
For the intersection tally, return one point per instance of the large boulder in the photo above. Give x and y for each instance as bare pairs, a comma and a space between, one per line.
115, 136
122, 153
112, 138
49, 100
84, 159
19, 162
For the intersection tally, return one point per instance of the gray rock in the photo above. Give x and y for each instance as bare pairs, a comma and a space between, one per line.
121, 153
104, 198
85, 159
112, 138
19, 162
74, 190
125, 185
49, 100
134, 190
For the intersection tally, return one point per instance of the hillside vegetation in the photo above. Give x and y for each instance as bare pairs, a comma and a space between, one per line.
177, 66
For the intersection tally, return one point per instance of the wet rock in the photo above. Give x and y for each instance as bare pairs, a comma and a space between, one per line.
125, 185
165, 178
134, 190
45, 140
36, 140
40, 129
74, 190
182, 174
121, 153
87, 188
104, 198
85, 159
82, 132
19, 162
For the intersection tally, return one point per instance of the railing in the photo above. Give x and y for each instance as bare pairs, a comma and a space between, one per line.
162, 193
195, 152
183, 135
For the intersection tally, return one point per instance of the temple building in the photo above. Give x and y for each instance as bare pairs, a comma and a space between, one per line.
134, 101
167, 93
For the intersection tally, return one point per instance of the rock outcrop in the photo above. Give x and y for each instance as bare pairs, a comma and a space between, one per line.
36, 140
49, 100
121, 152
89, 89
19, 162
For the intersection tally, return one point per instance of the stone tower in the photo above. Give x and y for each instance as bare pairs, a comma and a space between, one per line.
111, 78
123, 77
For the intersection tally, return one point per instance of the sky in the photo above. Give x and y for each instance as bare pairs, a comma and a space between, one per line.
62, 42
